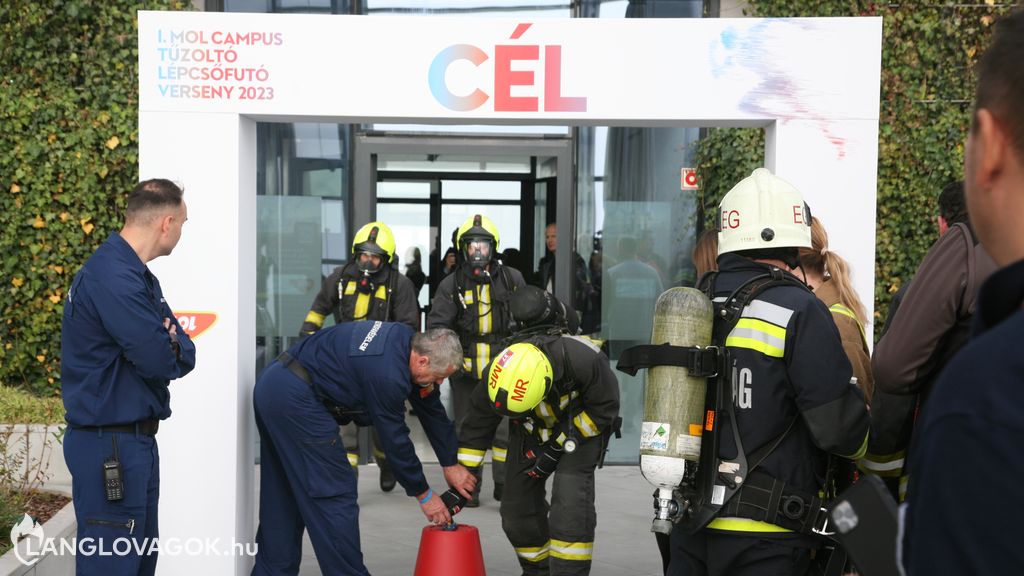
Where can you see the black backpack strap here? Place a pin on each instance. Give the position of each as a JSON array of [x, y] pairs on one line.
[[700, 362]]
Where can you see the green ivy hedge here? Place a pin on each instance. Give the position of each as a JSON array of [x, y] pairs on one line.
[[928, 54], [68, 157]]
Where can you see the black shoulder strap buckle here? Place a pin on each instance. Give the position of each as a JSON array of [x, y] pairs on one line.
[[700, 362]]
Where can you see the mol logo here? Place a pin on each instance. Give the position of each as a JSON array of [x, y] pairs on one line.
[[505, 77], [195, 323]]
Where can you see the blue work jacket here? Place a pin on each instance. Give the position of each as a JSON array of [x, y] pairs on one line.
[[364, 368], [116, 356]]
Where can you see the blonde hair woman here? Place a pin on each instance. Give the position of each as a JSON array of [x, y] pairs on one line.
[[828, 274]]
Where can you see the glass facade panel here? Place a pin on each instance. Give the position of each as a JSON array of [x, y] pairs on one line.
[[480, 190], [302, 230], [410, 224]]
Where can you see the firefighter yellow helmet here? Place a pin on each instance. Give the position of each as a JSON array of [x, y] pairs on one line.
[[763, 211], [375, 238], [518, 379]]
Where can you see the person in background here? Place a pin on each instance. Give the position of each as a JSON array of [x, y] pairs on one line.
[[414, 269], [828, 274], [367, 288], [121, 347], [474, 301], [931, 324], [546, 271], [705, 253], [964, 494]]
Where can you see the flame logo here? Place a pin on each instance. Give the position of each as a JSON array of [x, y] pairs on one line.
[[27, 527]]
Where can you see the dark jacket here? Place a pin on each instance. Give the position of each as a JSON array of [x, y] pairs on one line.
[[933, 319], [964, 495], [582, 289], [392, 299], [117, 359], [788, 365], [364, 368], [583, 401], [930, 326]]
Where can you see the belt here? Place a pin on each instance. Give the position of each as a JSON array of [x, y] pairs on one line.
[[144, 427], [295, 366], [341, 414]]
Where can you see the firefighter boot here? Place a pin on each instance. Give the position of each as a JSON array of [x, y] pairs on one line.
[[387, 477]]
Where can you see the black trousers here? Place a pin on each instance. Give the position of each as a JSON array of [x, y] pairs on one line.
[[462, 386], [716, 553], [555, 539]]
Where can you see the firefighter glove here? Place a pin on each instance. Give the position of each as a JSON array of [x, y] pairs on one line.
[[547, 457], [453, 501]]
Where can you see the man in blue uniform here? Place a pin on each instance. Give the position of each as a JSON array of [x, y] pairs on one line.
[[363, 371], [121, 346], [966, 465], [793, 403]]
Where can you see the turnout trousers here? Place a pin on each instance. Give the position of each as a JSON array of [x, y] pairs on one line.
[[462, 387], [305, 481], [717, 553], [133, 517], [555, 539]]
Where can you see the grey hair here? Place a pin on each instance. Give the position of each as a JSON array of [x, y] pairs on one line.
[[441, 346]]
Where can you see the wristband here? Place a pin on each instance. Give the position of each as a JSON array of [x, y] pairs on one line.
[[430, 492]]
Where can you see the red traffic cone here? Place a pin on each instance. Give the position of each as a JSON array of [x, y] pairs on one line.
[[450, 551]]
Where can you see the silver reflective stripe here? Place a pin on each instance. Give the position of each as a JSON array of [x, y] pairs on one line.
[[759, 336], [882, 466], [586, 341], [768, 312]]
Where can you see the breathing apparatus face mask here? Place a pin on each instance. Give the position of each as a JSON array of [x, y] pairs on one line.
[[369, 262], [478, 252]]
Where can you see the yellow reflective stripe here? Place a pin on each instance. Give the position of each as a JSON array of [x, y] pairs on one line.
[[471, 458], [840, 309], [759, 335], [744, 525], [467, 364], [468, 297], [560, 439], [378, 454], [353, 459], [564, 400], [484, 309], [904, 481], [585, 425], [362, 306], [533, 554], [483, 356], [498, 454], [382, 293], [350, 288], [571, 550], [544, 434], [860, 451], [315, 319]]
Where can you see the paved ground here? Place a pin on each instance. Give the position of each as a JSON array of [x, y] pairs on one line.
[[391, 524]]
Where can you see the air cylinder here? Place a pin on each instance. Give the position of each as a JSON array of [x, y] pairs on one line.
[[670, 435]]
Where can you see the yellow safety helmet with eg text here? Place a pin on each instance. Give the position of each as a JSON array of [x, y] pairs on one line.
[[518, 379], [763, 211], [375, 238]]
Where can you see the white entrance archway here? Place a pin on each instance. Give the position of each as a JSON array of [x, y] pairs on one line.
[[206, 79]]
